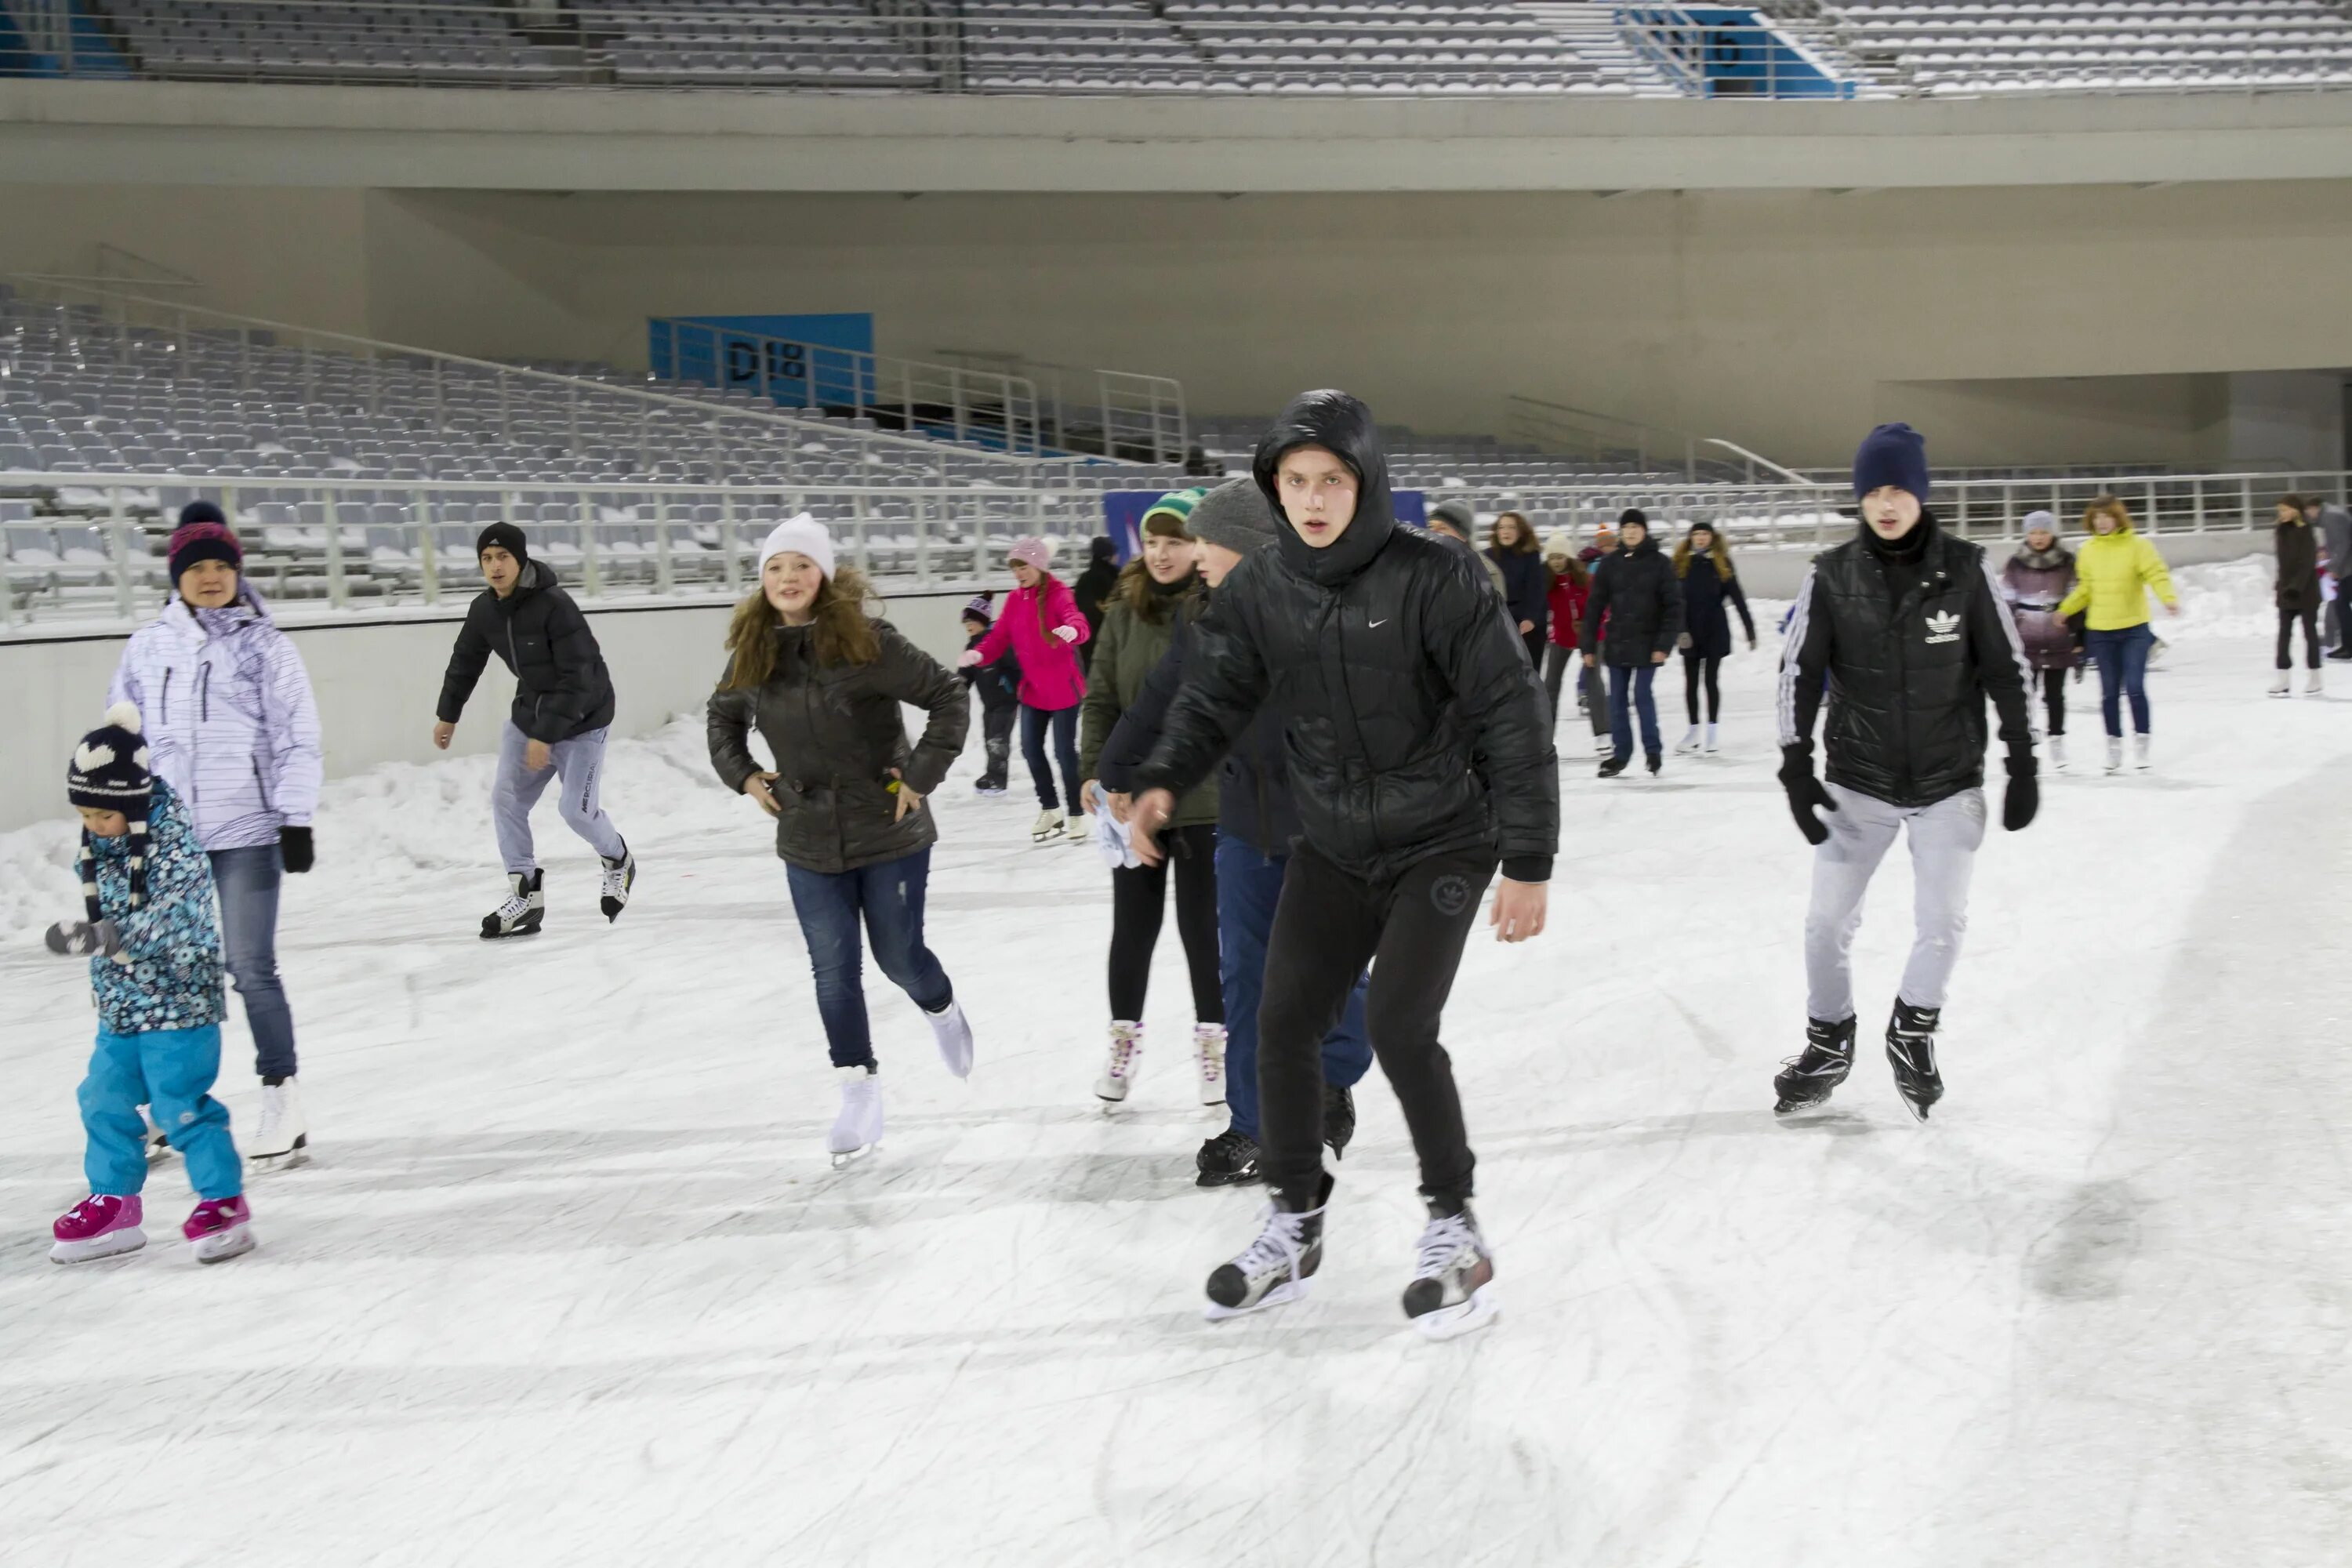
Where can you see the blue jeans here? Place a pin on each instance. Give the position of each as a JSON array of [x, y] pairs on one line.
[[2122, 659], [1631, 684], [1064, 722], [1249, 885], [246, 881], [890, 898], [171, 1072]]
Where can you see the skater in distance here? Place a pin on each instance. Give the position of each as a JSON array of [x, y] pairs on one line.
[[1420, 754], [1907, 626]]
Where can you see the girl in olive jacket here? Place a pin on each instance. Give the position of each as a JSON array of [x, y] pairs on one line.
[[1139, 621], [823, 682]]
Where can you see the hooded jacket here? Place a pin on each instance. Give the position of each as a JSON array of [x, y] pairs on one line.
[[1910, 649], [1568, 598], [1051, 676], [1412, 723], [836, 734], [561, 688], [2298, 567], [1636, 592], [226, 707]]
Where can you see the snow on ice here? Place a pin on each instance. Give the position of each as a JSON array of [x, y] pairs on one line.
[[571, 1282]]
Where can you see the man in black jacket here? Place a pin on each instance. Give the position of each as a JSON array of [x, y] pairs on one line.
[[1907, 626], [1419, 748], [1257, 823], [1091, 590], [1636, 592], [556, 728]]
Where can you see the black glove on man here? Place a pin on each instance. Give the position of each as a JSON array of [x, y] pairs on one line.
[[2024, 796], [294, 849], [1806, 794]]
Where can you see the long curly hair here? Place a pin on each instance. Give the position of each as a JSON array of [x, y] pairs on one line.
[[1524, 540], [841, 632], [1718, 550]]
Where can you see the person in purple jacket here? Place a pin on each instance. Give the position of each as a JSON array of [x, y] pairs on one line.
[[2035, 583], [227, 711]]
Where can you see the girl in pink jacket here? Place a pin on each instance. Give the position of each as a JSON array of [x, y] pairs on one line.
[[1042, 626]]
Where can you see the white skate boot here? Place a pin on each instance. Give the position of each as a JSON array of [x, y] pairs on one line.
[[2141, 760], [1209, 1055], [857, 1128], [1453, 1289], [953, 1032], [1118, 1072], [2311, 685], [1714, 732], [2115, 754], [283, 1141], [2279, 685], [1049, 825], [1603, 747], [2058, 753], [1688, 745], [1276, 1268]]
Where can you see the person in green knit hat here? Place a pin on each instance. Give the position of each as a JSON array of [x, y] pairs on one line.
[[1158, 588]]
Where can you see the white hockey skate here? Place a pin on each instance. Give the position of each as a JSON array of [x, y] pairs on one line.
[[953, 1032], [1209, 1055], [857, 1128], [1119, 1071], [1453, 1289], [283, 1140], [524, 910], [620, 876], [1277, 1267]]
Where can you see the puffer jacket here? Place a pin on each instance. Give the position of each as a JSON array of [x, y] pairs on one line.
[[2035, 584], [1909, 653], [1051, 676], [562, 687], [168, 972], [2298, 567], [1637, 593], [230, 722], [1129, 648], [1413, 724], [836, 734], [1568, 600], [2114, 574]]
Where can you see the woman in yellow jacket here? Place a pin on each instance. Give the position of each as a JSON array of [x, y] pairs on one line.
[[2114, 572]]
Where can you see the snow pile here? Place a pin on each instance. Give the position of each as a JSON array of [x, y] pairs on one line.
[[2223, 599], [37, 884]]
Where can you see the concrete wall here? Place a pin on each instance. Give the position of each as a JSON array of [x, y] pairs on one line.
[[377, 683]]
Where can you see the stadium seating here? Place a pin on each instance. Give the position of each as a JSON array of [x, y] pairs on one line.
[[2096, 46], [240, 39]]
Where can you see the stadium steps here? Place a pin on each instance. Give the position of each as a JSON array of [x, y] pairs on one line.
[[1590, 29]]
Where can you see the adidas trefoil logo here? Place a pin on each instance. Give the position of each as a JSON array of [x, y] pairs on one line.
[[1944, 626]]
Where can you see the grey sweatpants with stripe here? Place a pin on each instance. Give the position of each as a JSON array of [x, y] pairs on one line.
[[580, 763], [1943, 841]]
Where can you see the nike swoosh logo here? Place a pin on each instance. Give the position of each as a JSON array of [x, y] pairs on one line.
[[1376, 624]]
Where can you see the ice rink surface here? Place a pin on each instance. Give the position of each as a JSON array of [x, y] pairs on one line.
[[570, 1282]]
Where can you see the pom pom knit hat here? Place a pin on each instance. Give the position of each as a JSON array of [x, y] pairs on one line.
[[109, 772]]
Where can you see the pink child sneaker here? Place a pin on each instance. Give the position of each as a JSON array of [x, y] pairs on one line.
[[218, 1230], [100, 1226]]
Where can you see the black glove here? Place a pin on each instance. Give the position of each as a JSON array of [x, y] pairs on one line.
[[294, 849], [1805, 792], [2024, 796], [83, 940]]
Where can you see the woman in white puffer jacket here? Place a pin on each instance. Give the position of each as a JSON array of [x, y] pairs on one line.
[[229, 718]]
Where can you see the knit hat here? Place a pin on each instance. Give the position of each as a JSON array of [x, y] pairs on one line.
[[1235, 515], [1178, 504], [1033, 551], [506, 537], [2044, 520], [109, 772], [204, 534], [1892, 455], [803, 535], [1455, 514], [981, 607], [1633, 514], [1558, 543]]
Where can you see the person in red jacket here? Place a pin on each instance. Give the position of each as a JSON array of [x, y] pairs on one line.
[[1042, 626], [1572, 585]]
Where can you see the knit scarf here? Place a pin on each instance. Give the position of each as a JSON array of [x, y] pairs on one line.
[[87, 864]]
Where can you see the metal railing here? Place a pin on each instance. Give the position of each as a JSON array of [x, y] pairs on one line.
[[84, 552], [1126, 415], [1704, 58], [1588, 437], [673, 435]]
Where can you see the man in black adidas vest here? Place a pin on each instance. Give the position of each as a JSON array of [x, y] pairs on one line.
[[1906, 628]]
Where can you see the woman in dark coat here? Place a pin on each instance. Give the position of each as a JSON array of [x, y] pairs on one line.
[[2298, 594], [1703, 563], [2034, 582], [823, 682], [1526, 584]]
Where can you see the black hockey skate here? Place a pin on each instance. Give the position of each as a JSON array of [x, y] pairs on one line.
[[1276, 1268], [1453, 1289], [1911, 1052], [620, 876], [1612, 766], [1339, 1119], [1228, 1159], [525, 908], [1805, 1080]]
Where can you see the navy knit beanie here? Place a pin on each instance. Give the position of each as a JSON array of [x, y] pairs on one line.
[[506, 537], [1892, 455]]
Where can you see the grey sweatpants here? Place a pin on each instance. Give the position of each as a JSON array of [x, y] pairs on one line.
[[1943, 841], [580, 763]]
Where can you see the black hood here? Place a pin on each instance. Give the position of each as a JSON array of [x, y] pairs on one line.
[[1338, 423]]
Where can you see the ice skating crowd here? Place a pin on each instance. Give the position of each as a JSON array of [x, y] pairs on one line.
[[1330, 733]]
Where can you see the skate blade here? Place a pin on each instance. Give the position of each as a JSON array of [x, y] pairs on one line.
[[841, 1159], [1918, 1112], [159, 1152], [1809, 1110], [114, 1244], [509, 935], [1281, 1295], [1242, 1178], [293, 1158], [1109, 1104], [1467, 1316], [222, 1246]]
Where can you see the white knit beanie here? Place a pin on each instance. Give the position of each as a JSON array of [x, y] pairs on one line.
[[803, 534]]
